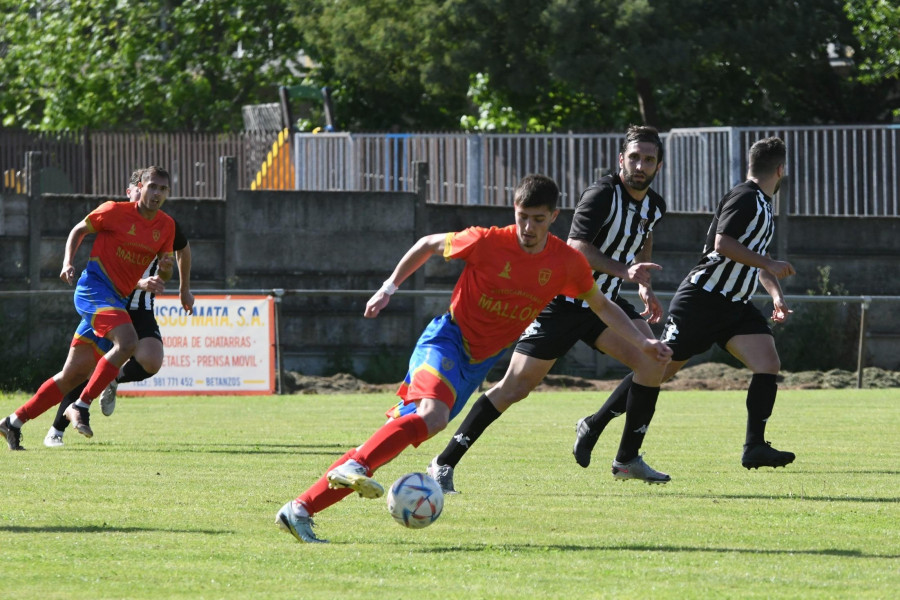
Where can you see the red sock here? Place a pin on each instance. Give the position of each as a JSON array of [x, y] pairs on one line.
[[390, 440], [47, 396], [102, 376], [386, 443], [319, 496]]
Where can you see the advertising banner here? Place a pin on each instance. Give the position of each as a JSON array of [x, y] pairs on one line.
[[226, 347]]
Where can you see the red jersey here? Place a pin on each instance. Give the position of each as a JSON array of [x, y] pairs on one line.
[[127, 242], [502, 288]]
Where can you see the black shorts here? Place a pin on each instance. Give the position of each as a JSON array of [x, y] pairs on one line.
[[562, 324], [698, 319], [145, 324]]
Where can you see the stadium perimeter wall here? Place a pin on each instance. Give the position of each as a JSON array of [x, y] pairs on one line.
[[262, 240]]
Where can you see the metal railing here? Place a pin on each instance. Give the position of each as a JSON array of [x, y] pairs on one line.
[[100, 163], [834, 171]]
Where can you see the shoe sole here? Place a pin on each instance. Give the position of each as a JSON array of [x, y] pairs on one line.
[[54, 444], [625, 476], [583, 461], [650, 481], [80, 427], [5, 432], [362, 485], [284, 525], [84, 430], [445, 491], [107, 407], [757, 465]]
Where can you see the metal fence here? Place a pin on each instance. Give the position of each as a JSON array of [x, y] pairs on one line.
[[66, 159], [836, 171], [833, 171], [100, 163]]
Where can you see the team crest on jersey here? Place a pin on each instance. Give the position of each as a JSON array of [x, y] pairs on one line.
[[447, 364], [156, 235], [505, 272], [642, 226], [132, 231], [544, 276]]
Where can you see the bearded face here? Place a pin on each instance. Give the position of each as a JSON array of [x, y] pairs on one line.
[[638, 165]]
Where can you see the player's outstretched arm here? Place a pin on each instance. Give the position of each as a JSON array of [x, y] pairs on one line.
[[414, 258], [76, 236], [619, 322], [599, 261]]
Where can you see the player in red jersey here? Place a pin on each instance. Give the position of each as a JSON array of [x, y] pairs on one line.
[[511, 274], [130, 235]]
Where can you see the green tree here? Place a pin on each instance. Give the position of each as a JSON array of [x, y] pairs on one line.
[[377, 57], [876, 26], [157, 64], [694, 62], [876, 55], [538, 65]]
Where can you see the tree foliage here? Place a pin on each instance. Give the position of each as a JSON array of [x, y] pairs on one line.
[[538, 65], [156, 64], [488, 65], [876, 26]]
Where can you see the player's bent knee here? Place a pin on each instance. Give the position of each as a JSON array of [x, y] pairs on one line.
[[435, 424]]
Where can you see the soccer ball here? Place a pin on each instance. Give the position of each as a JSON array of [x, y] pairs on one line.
[[415, 500]]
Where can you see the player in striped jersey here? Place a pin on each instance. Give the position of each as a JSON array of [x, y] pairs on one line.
[[712, 305], [612, 227], [148, 357]]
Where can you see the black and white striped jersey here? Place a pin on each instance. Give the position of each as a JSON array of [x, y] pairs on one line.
[[745, 214], [141, 300], [617, 225]]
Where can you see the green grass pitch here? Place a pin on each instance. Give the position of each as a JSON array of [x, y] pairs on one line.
[[176, 498]]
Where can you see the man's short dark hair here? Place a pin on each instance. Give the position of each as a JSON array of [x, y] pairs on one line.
[[766, 156], [154, 170], [644, 133], [535, 191]]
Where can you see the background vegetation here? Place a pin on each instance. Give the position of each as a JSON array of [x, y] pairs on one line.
[[480, 65]]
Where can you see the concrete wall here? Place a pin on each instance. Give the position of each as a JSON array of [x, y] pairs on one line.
[[351, 241]]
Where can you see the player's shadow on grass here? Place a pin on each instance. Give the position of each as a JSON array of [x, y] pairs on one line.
[[802, 496], [851, 472], [795, 496], [648, 548], [106, 529], [180, 448]]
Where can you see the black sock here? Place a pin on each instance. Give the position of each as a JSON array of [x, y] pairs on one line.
[[760, 402], [479, 418], [133, 371], [641, 406], [615, 405], [61, 422]]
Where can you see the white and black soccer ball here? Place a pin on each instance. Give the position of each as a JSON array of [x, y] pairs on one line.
[[415, 500]]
